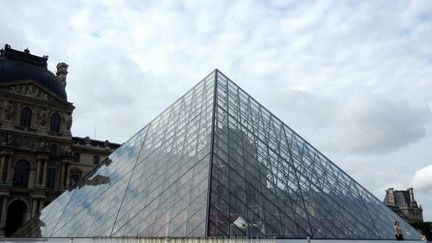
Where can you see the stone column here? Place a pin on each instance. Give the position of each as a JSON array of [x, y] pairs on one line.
[[44, 172], [2, 166], [67, 177], [62, 176], [34, 207], [38, 171], [9, 175], [27, 215], [41, 205], [58, 177], [391, 198], [31, 178], [4, 202], [411, 195]]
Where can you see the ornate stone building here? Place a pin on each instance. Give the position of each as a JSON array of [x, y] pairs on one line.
[[403, 203], [39, 158]]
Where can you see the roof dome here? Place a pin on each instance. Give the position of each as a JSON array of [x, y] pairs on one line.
[[16, 66]]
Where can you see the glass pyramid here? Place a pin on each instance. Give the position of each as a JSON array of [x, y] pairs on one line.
[[217, 163]]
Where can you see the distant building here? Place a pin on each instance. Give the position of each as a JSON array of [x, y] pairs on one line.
[[39, 158], [403, 203]]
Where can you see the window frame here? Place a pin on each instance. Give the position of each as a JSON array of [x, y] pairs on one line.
[[26, 117]]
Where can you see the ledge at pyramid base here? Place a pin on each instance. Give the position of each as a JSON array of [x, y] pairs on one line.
[[188, 240], [216, 163]]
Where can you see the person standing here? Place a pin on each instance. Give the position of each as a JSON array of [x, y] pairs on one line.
[[398, 231]]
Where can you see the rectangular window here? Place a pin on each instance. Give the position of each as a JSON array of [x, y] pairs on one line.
[[76, 157], [96, 159], [51, 173]]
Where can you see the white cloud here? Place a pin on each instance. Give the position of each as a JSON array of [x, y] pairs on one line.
[[351, 77], [377, 124], [422, 182], [422, 179]]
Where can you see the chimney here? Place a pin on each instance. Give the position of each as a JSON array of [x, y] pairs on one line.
[[390, 196], [62, 72], [412, 202]]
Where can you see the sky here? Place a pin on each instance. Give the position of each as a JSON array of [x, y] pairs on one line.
[[351, 77]]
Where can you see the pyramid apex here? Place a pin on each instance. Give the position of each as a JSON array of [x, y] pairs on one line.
[[218, 71]]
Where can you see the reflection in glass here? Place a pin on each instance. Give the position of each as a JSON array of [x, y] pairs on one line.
[[269, 182]]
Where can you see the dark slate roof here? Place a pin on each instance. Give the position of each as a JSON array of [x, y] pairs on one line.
[[95, 143], [16, 66], [402, 198]]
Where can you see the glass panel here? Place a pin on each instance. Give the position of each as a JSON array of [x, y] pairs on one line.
[[152, 185], [268, 180]]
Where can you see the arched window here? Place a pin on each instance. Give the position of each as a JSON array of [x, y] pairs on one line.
[[21, 173], [15, 216], [55, 123], [26, 115]]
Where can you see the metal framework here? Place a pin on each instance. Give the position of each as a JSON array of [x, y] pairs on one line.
[[217, 163]]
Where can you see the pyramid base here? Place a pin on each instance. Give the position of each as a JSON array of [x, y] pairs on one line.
[[186, 240]]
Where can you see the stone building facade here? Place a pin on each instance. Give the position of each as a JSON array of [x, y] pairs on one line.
[[39, 158], [403, 203]]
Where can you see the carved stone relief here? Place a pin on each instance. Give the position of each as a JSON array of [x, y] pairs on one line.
[[66, 150], [62, 72], [87, 140], [29, 90], [43, 146], [25, 142], [8, 110], [30, 143], [67, 118], [7, 139], [43, 117]]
